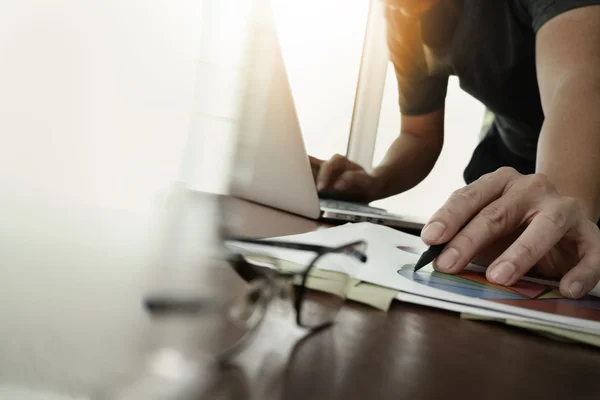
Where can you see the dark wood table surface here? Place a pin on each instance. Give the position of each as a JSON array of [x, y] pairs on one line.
[[73, 326]]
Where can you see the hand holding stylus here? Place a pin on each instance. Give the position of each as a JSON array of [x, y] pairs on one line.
[[553, 236]]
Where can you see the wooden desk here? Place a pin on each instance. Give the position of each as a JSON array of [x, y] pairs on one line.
[[78, 327], [415, 352]]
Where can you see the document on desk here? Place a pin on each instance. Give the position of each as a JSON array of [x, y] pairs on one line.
[[392, 254], [549, 330], [375, 296]]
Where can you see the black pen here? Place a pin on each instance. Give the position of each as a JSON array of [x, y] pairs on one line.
[[429, 255], [432, 253]]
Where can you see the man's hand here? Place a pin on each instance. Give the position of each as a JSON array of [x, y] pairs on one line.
[[552, 234], [340, 175]]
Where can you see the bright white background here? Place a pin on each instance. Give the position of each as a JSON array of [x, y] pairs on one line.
[[98, 98], [322, 43]]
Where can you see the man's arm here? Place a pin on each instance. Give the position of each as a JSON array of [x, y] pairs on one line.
[[568, 65], [412, 155]]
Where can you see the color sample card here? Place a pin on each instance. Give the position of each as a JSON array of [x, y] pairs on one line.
[[530, 295]]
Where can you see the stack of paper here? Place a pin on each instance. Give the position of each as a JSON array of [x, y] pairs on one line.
[[531, 303]]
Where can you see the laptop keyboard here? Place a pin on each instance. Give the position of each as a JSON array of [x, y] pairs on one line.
[[353, 207]]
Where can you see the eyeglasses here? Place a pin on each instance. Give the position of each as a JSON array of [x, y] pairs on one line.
[[316, 288]]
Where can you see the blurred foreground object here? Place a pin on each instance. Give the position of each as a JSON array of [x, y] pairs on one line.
[[117, 125]]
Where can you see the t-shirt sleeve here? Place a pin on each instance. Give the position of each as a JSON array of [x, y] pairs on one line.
[[417, 96], [541, 11], [419, 92]]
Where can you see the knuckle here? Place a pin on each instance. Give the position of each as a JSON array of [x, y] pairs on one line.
[[495, 216], [337, 159], [541, 182], [348, 176], [506, 172], [570, 204], [490, 176], [559, 219], [465, 240], [467, 195], [526, 253], [358, 175], [503, 176], [563, 214]]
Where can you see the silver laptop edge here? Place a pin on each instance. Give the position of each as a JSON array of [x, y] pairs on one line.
[[271, 163]]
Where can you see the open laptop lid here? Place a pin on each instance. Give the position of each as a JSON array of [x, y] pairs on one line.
[[271, 163]]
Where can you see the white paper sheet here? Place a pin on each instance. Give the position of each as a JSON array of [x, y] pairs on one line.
[[483, 312], [384, 260]]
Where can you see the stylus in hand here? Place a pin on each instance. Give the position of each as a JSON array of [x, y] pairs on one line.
[[429, 255]]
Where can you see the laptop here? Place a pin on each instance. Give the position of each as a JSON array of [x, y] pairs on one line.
[[271, 165]]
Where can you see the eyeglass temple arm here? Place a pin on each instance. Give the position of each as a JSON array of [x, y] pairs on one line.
[[303, 246], [287, 245]]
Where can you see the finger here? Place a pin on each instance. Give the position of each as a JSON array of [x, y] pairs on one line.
[[489, 225], [315, 162], [354, 182], [315, 174], [545, 230], [330, 170], [582, 278], [464, 203]]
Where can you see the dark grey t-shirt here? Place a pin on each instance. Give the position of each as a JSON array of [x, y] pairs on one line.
[[490, 46]]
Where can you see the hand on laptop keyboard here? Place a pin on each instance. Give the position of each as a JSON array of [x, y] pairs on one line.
[[348, 180]]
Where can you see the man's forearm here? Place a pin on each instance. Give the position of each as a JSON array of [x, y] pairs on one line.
[[569, 145], [407, 162]]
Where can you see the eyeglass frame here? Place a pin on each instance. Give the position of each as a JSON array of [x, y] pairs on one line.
[[320, 252], [157, 305]]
